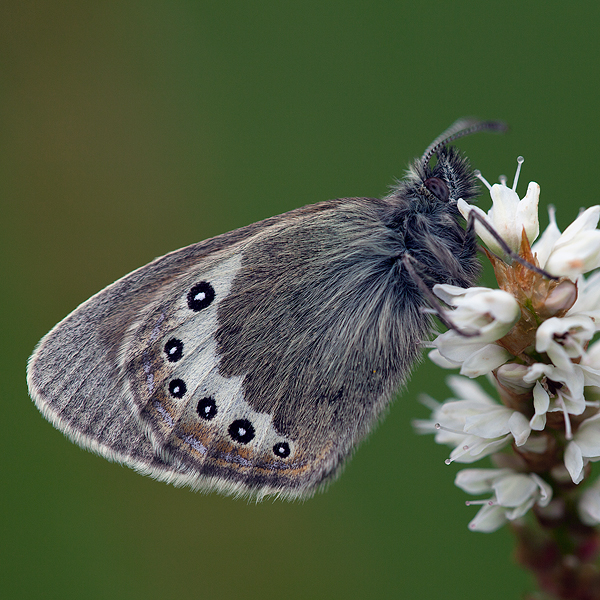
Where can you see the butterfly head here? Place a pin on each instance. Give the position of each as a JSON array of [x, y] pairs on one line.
[[450, 178], [439, 185]]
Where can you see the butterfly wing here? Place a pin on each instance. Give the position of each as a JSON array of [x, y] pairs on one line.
[[251, 363]]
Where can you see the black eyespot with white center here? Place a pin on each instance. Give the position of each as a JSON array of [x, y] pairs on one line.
[[438, 188], [174, 350], [207, 408], [281, 449], [177, 388], [200, 296], [242, 431]]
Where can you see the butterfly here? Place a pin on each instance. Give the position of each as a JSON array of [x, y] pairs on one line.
[[254, 362]]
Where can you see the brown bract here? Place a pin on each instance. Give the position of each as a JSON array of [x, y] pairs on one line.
[[538, 296]]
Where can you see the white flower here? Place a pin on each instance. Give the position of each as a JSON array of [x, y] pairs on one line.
[[474, 359], [476, 425], [490, 314], [588, 298], [513, 495], [589, 505], [583, 448], [591, 358], [543, 247], [559, 390], [482, 338], [541, 404], [508, 216], [590, 365], [575, 251], [566, 386], [510, 376], [564, 339]]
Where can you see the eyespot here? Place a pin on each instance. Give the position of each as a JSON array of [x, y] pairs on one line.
[[174, 350], [242, 431], [281, 449], [177, 388], [207, 408], [438, 188], [200, 296]]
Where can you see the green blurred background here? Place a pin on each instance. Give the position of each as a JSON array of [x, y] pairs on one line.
[[129, 129]]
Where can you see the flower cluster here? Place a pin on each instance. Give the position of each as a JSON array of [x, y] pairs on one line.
[[535, 342]]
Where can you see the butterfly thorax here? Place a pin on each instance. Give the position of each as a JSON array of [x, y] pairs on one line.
[[424, 213]]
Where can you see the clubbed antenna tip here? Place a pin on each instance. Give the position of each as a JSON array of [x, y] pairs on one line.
[[460, 128]]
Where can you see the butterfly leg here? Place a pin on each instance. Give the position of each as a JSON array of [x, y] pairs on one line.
[[432, 299], [474, 216]]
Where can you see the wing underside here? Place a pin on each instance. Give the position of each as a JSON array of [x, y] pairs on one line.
[[250, 363]]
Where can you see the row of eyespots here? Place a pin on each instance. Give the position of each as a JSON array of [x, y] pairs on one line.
[[200, 296], [240, 430]]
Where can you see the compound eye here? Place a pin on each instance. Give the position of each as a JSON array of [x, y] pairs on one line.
[[438, 188]]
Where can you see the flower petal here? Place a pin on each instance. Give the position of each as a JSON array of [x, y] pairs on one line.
[[589, 505], [588, 292], [545, 490], [581, 255], [527, 212], [485, 360], [587, 437], [490, 423], [510, 376], [543, 247], [475, 448], [478, 481], [514, 489], [441, 361], [489, 518], [591, 377], [574, 462], [519, 427], [564, 338], [456, 348], [469, 390], [586, 221], [541, 403]]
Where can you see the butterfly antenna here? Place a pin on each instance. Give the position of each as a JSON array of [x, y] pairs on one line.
[[458, 129]]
